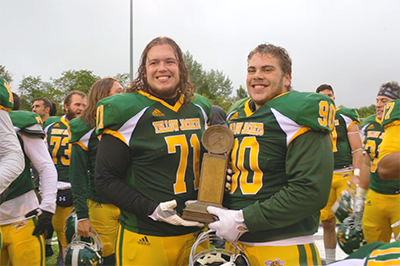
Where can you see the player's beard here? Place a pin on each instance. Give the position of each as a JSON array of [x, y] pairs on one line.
[[71, 115]]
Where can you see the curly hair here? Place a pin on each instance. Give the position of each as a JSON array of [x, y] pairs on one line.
[[185, 87]]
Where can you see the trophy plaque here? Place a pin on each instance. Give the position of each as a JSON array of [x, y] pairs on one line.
[[218, 140]]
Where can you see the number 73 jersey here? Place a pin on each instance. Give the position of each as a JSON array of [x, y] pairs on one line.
[[262, 139], [59, 146]]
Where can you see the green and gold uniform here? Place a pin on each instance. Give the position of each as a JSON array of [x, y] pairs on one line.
[[6, 96], [391, 124], [343, 170], [104, 217], [382, 202], [60, 150], [163, 139], [282, 161], [19, 245]]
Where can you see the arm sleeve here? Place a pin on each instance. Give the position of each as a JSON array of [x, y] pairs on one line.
[[309, 166], [11, 156], [78, 170], [36, 150], [113, 159]]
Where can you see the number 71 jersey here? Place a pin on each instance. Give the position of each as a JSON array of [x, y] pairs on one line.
[[165, 145]]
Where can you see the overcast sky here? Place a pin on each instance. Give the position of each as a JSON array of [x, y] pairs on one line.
[[352, 45]]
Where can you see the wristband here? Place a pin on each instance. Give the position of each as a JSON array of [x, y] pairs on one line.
[[360, 192], [357, 171]]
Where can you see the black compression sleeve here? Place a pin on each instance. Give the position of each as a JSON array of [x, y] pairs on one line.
[[112, 161]]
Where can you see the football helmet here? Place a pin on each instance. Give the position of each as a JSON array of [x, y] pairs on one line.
[[350, 236], [342, 208], [216, 255], [71, 225], [84, 253]]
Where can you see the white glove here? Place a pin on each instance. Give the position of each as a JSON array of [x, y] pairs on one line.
[[230, 225], [165, 212]]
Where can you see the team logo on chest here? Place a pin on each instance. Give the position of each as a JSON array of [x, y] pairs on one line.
[[165, 126]]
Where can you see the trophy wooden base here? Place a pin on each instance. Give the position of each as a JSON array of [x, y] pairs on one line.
[[198, 212]]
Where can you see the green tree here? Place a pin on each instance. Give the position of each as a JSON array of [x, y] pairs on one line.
[[33, 87], [123, 79], [5, 74], [366, 111], [212, 84], [70, 80], [241, 93]]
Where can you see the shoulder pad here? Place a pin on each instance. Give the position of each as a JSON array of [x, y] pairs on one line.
[[349, 112], [22, 119], [236, 105], [114, 111], [203, 102], [313, 110], [78, 129], [391, 115], [50, 120]]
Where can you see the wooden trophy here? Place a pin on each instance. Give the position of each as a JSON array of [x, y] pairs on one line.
[[218, 140]]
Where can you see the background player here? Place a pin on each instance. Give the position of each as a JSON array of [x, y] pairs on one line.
[[382, 201], [92, 210], [347, 151], [21, 214], [60, 151]]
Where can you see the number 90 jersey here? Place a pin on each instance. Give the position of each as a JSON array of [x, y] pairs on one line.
[[166, 150], [260, 158]]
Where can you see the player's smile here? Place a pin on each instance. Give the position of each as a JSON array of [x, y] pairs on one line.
[[162, 71]]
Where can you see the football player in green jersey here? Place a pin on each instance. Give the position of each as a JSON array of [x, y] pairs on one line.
[[282, 160], [92, 210], [21, 214], [389, 154], [56, 129], [11, 156], [347, 151], [148, 159], [382, 201]]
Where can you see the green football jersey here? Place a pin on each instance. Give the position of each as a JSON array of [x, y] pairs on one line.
[[166, 150], [391, 115], [59, 146], [373, 135], [345, 118], [27, 123], [267, 161], [6, 97], [84, 148]]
